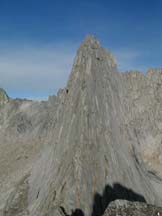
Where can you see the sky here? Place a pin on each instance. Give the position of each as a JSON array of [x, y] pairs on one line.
[[39, 39]]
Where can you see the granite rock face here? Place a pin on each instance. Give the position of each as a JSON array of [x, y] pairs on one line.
[[98, 140]]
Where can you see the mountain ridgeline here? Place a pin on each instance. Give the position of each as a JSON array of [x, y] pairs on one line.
[[97, 141]]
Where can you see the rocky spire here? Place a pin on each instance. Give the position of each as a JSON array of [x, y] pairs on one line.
[[88, 148], [91, 55]]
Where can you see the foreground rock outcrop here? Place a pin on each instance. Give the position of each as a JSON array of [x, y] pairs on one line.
[[98, 140], [125, 208]]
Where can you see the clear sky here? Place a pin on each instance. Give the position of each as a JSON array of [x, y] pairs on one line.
[[39, 38]]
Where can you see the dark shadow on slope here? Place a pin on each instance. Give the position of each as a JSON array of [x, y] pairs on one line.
[[111, 193], [76, 212]]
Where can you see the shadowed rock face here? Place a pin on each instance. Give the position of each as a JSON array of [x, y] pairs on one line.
[[95, 141], [111, 193]]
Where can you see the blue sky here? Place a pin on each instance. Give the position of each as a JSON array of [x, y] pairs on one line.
[[38, 39]]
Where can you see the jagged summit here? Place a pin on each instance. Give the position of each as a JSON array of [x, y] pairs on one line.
[[91, 41], [92, 48], [92, 60]]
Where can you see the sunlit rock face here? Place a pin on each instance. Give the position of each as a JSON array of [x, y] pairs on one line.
[[100, 141]]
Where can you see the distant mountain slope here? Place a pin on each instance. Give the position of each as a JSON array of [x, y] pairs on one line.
[[24, 126]]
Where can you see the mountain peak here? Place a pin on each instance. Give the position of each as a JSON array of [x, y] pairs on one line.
[[90, 58], [91, 41], [91, 51]]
